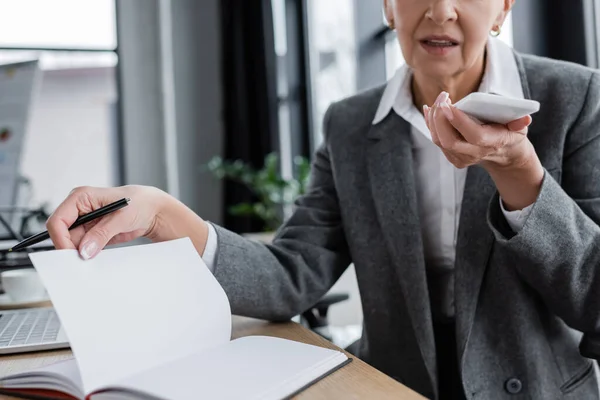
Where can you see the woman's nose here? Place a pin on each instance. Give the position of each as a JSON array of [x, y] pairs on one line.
[[442, 11]]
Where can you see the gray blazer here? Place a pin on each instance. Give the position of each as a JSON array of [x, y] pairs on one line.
[[516, 296]]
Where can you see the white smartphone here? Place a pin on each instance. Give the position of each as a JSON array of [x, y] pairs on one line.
[[491, 108]]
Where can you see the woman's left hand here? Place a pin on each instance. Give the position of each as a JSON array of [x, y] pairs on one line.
[[466, 142], [503, 150]]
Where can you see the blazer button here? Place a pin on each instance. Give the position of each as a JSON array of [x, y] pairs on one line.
[[513, 386]]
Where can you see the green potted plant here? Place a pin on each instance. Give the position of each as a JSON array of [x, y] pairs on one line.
[[274, 193]]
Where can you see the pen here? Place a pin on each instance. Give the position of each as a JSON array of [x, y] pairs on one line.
[[83, 219]]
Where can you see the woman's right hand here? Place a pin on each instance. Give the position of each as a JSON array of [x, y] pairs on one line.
[[139, 218]]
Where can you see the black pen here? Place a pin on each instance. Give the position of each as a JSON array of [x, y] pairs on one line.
[[83, 219]]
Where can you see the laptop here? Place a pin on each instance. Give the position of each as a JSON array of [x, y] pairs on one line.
[[31, 329], [27, 329]]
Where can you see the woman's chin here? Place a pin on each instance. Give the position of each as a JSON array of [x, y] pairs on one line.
[[424, 61], [437, 70]]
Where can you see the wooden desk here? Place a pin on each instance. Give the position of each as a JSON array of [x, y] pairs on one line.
[[356, 380]]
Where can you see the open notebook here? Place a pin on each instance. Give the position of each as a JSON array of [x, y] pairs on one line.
[[151, 322]]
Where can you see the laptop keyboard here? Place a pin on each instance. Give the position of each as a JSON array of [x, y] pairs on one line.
[[28, 327]]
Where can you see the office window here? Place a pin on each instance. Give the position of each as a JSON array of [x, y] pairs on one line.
[[591, 25], [283, 89], [72, 136], [88, 24], [293, 93], [332, 54]]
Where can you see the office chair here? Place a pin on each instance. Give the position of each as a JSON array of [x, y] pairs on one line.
[[316, 318]]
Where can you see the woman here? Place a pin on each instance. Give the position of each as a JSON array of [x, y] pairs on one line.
[[468, 288]]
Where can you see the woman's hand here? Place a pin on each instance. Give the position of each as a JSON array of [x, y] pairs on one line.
[[151, 213], [465, 142], [503, 150]]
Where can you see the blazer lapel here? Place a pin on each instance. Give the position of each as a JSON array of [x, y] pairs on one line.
[[391, 175], [474, 245]]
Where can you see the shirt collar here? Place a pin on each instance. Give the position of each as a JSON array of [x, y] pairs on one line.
[[501, 77]]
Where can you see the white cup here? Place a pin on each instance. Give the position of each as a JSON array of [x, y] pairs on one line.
[[23, 285]]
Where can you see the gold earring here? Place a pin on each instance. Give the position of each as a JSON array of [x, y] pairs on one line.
[[495, 32], [391, 24]]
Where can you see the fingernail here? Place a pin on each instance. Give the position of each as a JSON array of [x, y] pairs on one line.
[[447, 111], [425, 109], [442, 97], [89, 250]]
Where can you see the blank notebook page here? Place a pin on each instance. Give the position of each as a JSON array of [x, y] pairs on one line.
[[253, 367], [133, 308]]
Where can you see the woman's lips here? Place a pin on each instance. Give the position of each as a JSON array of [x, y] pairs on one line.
[[439, 47]]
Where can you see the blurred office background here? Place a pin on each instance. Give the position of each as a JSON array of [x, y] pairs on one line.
[[149, 91]]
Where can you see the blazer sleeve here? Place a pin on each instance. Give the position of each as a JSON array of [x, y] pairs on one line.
[[558, 250], [307, 256]]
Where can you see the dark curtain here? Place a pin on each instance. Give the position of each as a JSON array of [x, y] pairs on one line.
[[250, 95]]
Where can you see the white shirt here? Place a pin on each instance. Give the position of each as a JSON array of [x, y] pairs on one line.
[[440, 185]]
